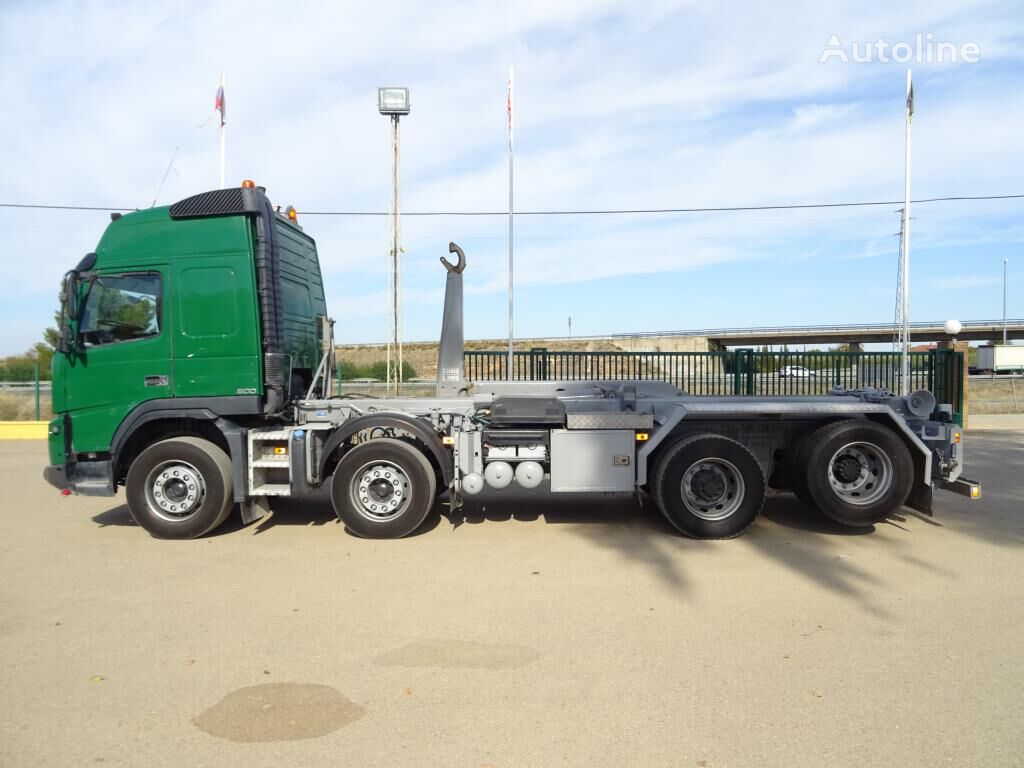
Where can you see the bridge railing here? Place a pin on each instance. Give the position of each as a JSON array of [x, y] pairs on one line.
[[987, 326]]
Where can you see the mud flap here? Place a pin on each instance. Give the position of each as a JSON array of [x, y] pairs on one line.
[[921, 498], [254, 508]]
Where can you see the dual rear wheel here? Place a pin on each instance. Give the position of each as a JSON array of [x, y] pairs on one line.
[[855, 471], [709, 487]]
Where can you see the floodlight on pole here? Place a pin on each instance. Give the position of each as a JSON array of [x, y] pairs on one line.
[[394, 102]]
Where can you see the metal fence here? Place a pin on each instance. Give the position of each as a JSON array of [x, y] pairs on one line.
[[737, 372]]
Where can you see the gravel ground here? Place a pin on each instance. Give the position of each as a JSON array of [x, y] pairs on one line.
[[576, 632]]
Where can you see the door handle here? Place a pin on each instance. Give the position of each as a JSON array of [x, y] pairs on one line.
[[156, 381]]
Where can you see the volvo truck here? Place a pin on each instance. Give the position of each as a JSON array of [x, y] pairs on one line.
[[195, 371]]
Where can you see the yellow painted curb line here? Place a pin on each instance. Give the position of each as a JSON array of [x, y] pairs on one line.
[[23, 430]]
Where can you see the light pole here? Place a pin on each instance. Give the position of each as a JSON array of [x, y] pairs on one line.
[[394, 102], [1004, 300]]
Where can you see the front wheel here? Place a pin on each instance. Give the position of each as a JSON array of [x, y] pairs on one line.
[[383, 489], [709, 487], [180, 488]]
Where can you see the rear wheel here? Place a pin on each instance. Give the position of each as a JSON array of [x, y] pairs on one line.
[[180, 488], [383, 489], [709, 487], [857, 472]]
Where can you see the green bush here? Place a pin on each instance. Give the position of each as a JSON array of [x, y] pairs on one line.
[[23, 367], [348, 371], [379, 370]]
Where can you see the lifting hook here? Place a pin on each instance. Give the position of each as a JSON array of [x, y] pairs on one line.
[[461, 265]]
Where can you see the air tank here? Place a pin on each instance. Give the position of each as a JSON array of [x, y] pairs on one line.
[[473, 483], [529, 474], [498, 474]]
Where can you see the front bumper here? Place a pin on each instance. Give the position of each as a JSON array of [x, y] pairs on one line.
[[55, 475], [88, 478]]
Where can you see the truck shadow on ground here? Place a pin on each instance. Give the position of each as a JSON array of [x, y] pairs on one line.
[[616, 513], [305, 511], [635, 530], [636, 513]]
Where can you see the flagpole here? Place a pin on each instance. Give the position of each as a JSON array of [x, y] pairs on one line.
[[510, 224], [222, 135], [905, 249]]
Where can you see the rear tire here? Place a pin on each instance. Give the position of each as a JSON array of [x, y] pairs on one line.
[[857, 472], [709, 487], [383, 489], [180, 488]]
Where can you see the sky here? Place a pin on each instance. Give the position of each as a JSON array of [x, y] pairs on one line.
[[618, 105]]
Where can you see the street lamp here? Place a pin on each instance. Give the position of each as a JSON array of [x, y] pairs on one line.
[[1005, 261], [394, 102]]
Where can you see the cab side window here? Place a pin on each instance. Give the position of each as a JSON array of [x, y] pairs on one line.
[[122, 308]]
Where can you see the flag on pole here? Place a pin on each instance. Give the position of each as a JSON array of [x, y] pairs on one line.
[[910, 98], [218, 103], [510, 106]]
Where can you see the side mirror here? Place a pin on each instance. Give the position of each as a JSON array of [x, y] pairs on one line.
[[68, 312]]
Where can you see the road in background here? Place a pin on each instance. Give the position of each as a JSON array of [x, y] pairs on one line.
[[533, 633]]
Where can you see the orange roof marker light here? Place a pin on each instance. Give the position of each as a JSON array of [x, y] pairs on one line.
[[248, 184], [291, 213]]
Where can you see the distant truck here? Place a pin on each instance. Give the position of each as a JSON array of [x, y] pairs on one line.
[[1001, 358], [195, 369]]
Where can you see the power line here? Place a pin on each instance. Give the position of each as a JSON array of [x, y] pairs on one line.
[[594, 212], [626, 211], [38, 206]]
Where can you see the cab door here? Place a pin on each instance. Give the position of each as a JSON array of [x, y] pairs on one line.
[[122, 355]]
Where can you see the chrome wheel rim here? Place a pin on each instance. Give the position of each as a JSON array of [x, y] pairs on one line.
[[175, 491], [712, 489], [860, 473], [380, 491]]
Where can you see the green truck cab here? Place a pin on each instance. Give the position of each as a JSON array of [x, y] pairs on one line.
[[195, 321]]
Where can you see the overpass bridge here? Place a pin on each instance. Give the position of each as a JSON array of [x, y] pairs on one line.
[[854, 333]]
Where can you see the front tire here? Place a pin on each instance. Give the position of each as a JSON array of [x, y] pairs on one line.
[[383, 489], [858, 472], [709, 487], [180, 488]]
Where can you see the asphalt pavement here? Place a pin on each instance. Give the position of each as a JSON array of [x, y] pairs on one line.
[[534, 632]]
